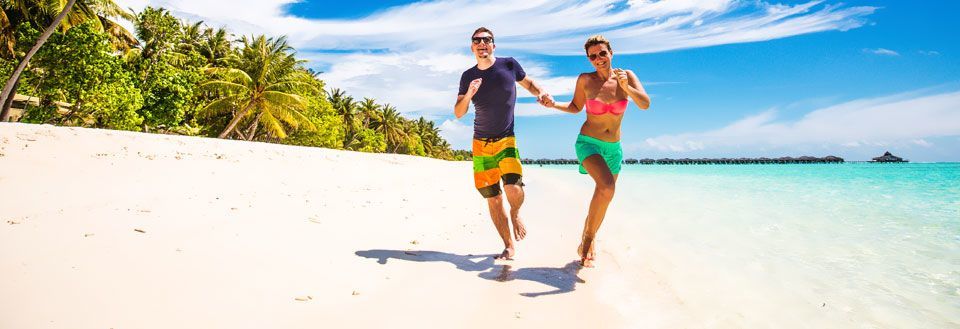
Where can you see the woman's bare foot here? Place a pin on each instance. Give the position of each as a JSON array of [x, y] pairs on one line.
[[586, 259], [507, 254]]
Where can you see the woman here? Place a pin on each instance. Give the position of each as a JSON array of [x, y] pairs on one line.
[[604, 93]]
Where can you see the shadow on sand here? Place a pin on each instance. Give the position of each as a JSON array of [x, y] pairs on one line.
[[562, 279]]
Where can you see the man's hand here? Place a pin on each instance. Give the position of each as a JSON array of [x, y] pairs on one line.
[[545, 99], [474, 86]]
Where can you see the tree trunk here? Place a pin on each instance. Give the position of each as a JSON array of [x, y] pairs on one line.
[[8, 89], [238, 133], [8, 103], [252, 131], [235, 121]]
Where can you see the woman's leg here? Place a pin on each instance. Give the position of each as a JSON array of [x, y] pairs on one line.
[[602, 195]]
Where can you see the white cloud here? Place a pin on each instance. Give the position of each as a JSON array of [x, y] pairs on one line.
[[534, 110], [882, 51], [929, 52], [458, 134], [922, 142], [411, 56], [898, 119], [413, 82]]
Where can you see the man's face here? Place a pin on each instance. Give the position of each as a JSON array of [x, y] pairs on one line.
[[482, 45]]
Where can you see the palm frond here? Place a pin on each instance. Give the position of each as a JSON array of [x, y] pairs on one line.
[[230, 74], [273, 126], [224, 87], [284, 99], [287, 85], [220, 106]]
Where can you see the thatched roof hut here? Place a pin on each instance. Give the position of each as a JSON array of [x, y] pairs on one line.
[[887, 157]]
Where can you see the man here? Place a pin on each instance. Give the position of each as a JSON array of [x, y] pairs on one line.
[[490, 85]]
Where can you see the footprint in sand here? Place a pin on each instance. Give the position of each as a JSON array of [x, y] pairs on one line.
[[26, 138]]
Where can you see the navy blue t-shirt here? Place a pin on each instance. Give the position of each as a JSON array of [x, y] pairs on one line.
[[496, 97]]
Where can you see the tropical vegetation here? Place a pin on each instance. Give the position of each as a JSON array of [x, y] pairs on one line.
[[71, 63]]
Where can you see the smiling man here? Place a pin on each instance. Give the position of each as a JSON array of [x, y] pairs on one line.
[[491, 86]]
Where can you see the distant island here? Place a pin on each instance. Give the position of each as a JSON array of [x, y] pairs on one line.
[[887, 157], [701, 161]]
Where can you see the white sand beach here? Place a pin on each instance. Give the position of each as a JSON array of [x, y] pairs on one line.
[[113, 229]]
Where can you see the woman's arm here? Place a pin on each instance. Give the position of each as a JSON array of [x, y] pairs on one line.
[[579, 97], [631, 85]]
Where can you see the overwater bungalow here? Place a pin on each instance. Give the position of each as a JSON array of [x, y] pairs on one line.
[[887, 157]]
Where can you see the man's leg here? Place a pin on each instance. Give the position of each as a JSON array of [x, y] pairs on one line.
[[499, 217], [514, 191]]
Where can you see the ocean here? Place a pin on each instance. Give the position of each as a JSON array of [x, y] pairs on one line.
[[863, 245]]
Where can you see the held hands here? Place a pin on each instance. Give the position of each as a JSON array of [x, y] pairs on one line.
[[545, 99], [474, 86]]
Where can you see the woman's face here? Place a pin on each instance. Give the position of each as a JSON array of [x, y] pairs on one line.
[[600, 56]]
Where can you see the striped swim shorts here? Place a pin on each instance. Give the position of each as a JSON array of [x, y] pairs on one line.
[[494, 158]]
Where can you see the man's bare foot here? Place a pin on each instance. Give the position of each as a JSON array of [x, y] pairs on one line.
[[519, 230], [507, 254]]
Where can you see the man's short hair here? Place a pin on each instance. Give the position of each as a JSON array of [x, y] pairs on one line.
[[596, 40], [481, 29]]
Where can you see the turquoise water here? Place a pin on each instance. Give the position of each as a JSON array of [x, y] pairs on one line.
[[855, 244]]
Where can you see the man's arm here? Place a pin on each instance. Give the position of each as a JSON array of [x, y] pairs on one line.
[[463, 101], [542, 96]]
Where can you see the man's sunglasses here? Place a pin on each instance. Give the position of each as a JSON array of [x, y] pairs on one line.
[[478, 40], [602, 53]]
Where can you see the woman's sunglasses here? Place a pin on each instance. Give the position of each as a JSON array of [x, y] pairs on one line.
[[602, 53], [478, 40]]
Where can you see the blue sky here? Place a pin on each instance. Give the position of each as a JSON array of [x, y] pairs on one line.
[[728, 78]]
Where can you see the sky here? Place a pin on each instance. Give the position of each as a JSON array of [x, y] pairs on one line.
[[727, 78]]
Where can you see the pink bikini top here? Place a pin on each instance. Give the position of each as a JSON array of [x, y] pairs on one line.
[[597, 107]]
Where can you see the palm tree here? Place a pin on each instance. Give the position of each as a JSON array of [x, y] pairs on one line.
[[162, 35], [9, 88], [259, 88], [40, 13], [71, 13], [429, 135], [391, 126], [346, 107], [368, 111], [215, 46]]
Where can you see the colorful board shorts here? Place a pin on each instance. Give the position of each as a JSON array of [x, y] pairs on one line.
[[494, 158], [611, 152]]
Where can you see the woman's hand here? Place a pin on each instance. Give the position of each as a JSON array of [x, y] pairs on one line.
[[545, 100], [622, 79]]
